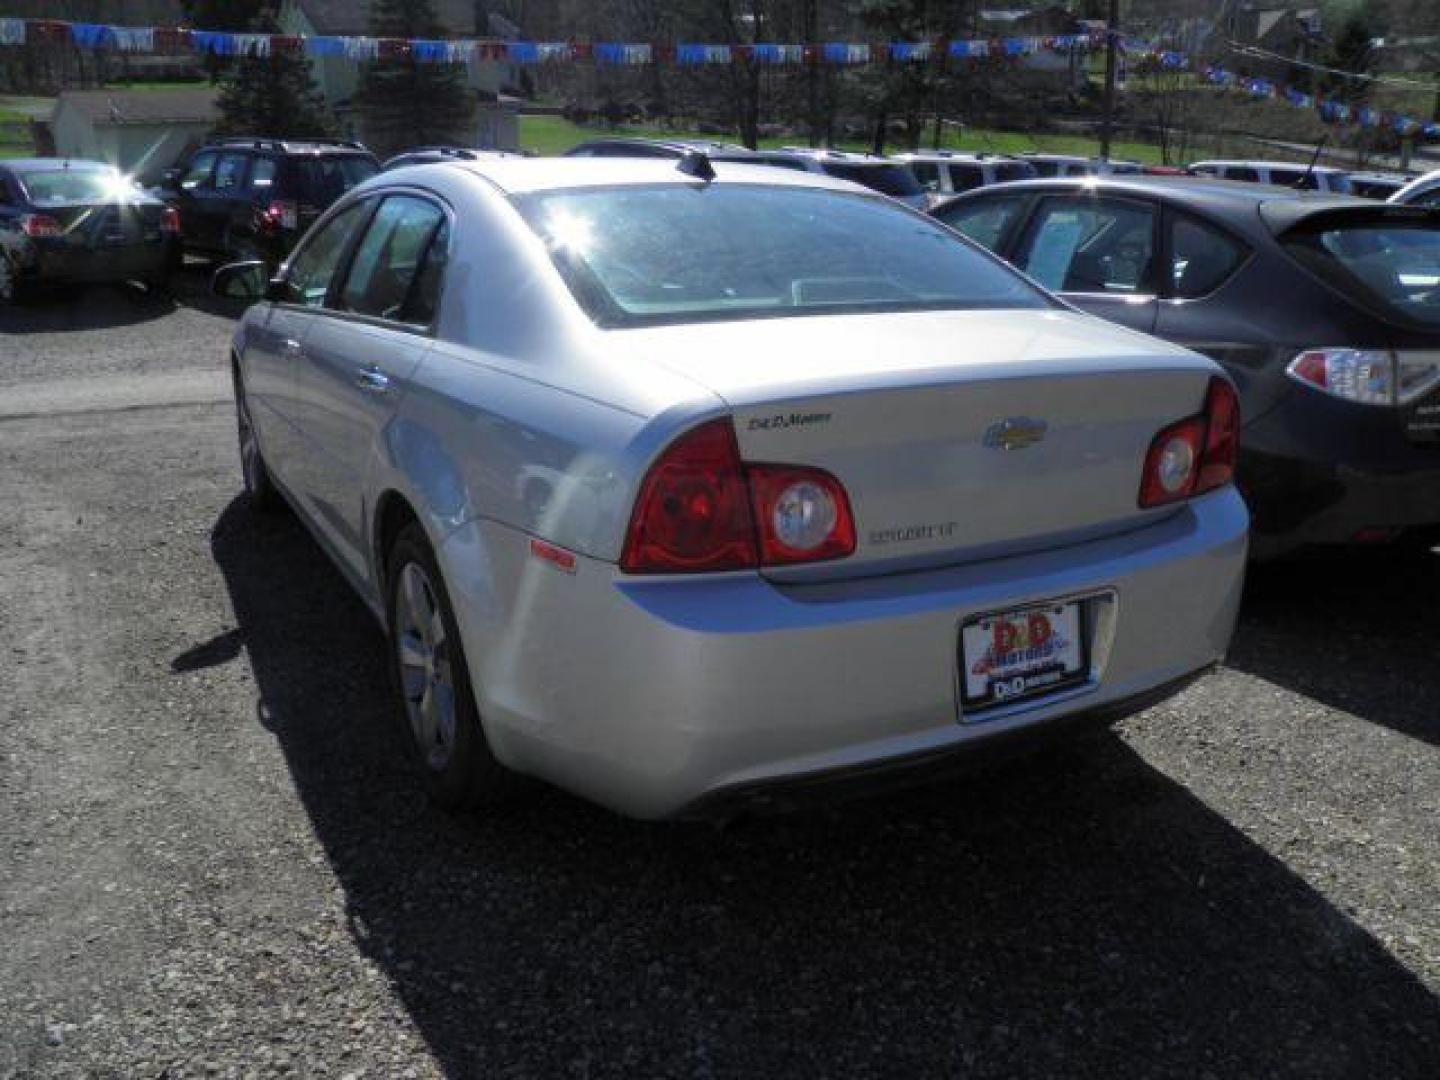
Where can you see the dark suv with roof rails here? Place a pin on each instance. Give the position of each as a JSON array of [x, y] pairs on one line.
[[248, 198]]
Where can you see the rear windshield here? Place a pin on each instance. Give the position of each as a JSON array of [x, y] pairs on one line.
[[887, 179], [322, 180], [1396, 265], [56, 187], [655, 254]]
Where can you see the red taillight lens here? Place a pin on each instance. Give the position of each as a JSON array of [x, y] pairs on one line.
[[803, 514], [1195, 455], [170, 221], [701, 508], [693, 512], [1222, 437], [39, 225]]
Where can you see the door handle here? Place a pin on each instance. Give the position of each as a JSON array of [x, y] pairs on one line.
[[373, 380], [291, 347]]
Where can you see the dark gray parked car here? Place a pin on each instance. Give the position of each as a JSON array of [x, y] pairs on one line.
[[1325, 309]]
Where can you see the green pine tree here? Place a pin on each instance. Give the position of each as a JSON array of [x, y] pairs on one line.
[[275, 96], [403, 102]]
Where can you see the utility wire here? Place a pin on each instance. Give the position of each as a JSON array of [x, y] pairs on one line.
[[1254, 52]]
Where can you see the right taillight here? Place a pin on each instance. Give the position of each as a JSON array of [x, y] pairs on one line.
[[701, 508], [1194, 455], [1367, 376]]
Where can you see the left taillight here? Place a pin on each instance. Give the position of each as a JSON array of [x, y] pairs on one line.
[[39, 225], [170, 221], [1194, 455], [701, 509]]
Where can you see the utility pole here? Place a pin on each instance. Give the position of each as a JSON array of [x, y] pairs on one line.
[[1112, 43]]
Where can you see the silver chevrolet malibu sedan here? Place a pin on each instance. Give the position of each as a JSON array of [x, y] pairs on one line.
[[689, 486]]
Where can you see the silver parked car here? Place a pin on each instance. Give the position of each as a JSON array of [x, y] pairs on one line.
[[681, 485]]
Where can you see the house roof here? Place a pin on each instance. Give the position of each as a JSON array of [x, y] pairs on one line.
[[346, 17], [105, 108]]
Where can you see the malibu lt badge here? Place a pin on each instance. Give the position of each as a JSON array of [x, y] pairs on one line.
[[1015, 433]]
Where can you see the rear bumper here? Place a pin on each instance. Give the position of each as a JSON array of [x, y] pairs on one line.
[[663, 697], [1298, 503], [84, 265]]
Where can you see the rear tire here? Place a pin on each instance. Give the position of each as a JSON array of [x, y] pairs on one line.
[[264, 496], [432, 681]]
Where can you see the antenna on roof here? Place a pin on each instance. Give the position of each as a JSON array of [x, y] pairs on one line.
[[1313, 159], [695, 163]]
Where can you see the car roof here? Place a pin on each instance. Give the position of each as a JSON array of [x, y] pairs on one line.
[[708, 146], [1278, 208], [520, 176], [1258, 163], [961, 156], [288, 146]]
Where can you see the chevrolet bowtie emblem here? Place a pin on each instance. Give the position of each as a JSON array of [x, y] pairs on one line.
[[1015, 433]]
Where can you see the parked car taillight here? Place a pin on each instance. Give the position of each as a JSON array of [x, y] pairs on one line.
[[1196, 454], [280, 214], [39, 225], [1367, 376], [170, 221], [700, 508], [803, 515]]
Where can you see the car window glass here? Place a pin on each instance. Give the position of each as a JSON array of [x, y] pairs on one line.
[[424, 298], [313, 267], [967, 177], [758, 250], [388, 257], [1090, 246], [928, 173], [1241, 172], [229, 172], [198, 172], [262, 174], [1427, 198], [1394, 265], [1202, 257], [985, 220], [320, 181]]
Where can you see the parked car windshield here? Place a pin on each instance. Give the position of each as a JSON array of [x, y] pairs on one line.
[[895, 180], [1397, 264], [644, 255], [56, 187]]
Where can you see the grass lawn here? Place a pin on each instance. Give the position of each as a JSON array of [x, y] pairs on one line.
[[554, 134], [188, 84]]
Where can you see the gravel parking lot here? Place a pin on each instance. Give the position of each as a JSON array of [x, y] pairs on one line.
[[215, 861]]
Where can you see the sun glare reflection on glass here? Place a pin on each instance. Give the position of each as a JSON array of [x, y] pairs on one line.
[[569, 232]]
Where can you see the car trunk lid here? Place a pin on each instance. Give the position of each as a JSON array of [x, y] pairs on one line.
[[957, 435]]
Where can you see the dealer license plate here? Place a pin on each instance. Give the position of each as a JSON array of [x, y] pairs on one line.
[[1011, 655]]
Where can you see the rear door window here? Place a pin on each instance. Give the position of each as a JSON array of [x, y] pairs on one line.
[[1091, 245], [262, 175], [987, 221], [1241, 172], [1202, 258], [387, 260]]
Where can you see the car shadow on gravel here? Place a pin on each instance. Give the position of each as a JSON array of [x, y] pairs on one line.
[[1073, 914], [63, 309], [1353, 628]]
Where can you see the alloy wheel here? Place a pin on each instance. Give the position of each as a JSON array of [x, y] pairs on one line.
[[427, 677]]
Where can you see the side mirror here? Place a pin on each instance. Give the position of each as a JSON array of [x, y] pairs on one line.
[[241, 281]]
